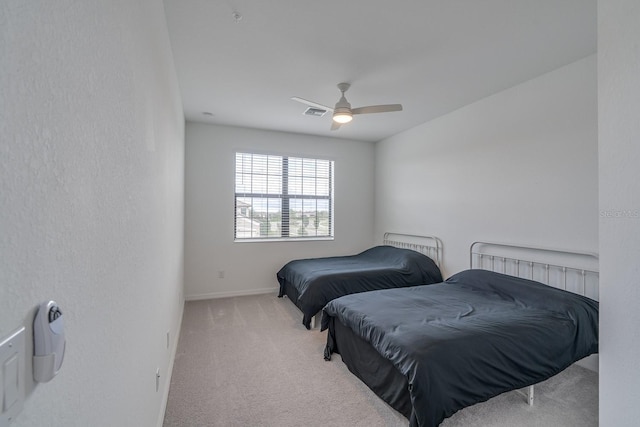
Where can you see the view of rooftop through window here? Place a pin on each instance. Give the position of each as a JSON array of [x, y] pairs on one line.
[[283, 197]]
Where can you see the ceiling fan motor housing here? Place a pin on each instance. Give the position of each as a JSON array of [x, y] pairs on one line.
[[342, 111]]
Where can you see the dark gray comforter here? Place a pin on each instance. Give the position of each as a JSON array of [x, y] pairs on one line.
[[319, 280], [470, 338]]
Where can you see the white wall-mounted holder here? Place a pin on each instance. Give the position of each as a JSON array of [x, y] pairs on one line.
[[12, 351], [48, 342]]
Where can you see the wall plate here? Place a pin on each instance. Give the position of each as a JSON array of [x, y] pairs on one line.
[[12, 359]]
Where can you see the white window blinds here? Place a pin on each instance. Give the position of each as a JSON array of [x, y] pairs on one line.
[[280, 197]]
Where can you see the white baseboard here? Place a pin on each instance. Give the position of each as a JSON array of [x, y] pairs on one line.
[[228, 294]]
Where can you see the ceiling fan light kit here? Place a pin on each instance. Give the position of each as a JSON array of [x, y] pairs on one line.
[[342, 117], [343, 113]]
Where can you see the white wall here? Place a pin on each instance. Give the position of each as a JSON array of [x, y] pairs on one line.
[[518, 167], [209, 194], [92, 190], [619, 157]]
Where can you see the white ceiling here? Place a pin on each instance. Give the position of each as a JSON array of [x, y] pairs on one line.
[[432, 56]]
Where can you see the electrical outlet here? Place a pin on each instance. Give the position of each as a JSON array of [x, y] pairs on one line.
[[168, 338], [221, 274], [157, 379]]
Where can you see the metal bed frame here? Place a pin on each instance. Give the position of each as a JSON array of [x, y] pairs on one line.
[[572, 271], [430, 246]]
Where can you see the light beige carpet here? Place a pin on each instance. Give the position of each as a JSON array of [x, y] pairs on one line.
[[248, 361]]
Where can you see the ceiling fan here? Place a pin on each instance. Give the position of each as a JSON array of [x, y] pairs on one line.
[[343, 113]]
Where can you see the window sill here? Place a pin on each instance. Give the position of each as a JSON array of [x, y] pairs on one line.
[[290, 239]]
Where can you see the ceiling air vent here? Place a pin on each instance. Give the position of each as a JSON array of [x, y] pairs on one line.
[[311, 111]]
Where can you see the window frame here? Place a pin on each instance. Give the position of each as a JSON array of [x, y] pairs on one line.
[[286, 196]]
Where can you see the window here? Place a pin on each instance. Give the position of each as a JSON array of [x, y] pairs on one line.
[[279, 197]]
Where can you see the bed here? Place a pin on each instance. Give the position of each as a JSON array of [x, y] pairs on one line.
[[506, 324], [402, 260]]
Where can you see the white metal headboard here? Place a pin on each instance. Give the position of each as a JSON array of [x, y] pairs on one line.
[[430, 246], [572, 271]]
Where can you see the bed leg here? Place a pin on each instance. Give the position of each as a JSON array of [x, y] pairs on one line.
[[527, 393], [315, 320], [530, 395]]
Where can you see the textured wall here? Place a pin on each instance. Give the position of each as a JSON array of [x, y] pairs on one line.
[[519, 166], [91, 175], [619, 161]]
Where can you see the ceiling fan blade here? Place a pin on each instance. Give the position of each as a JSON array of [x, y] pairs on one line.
[[377, 109], [335, 125], [312, 104]]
